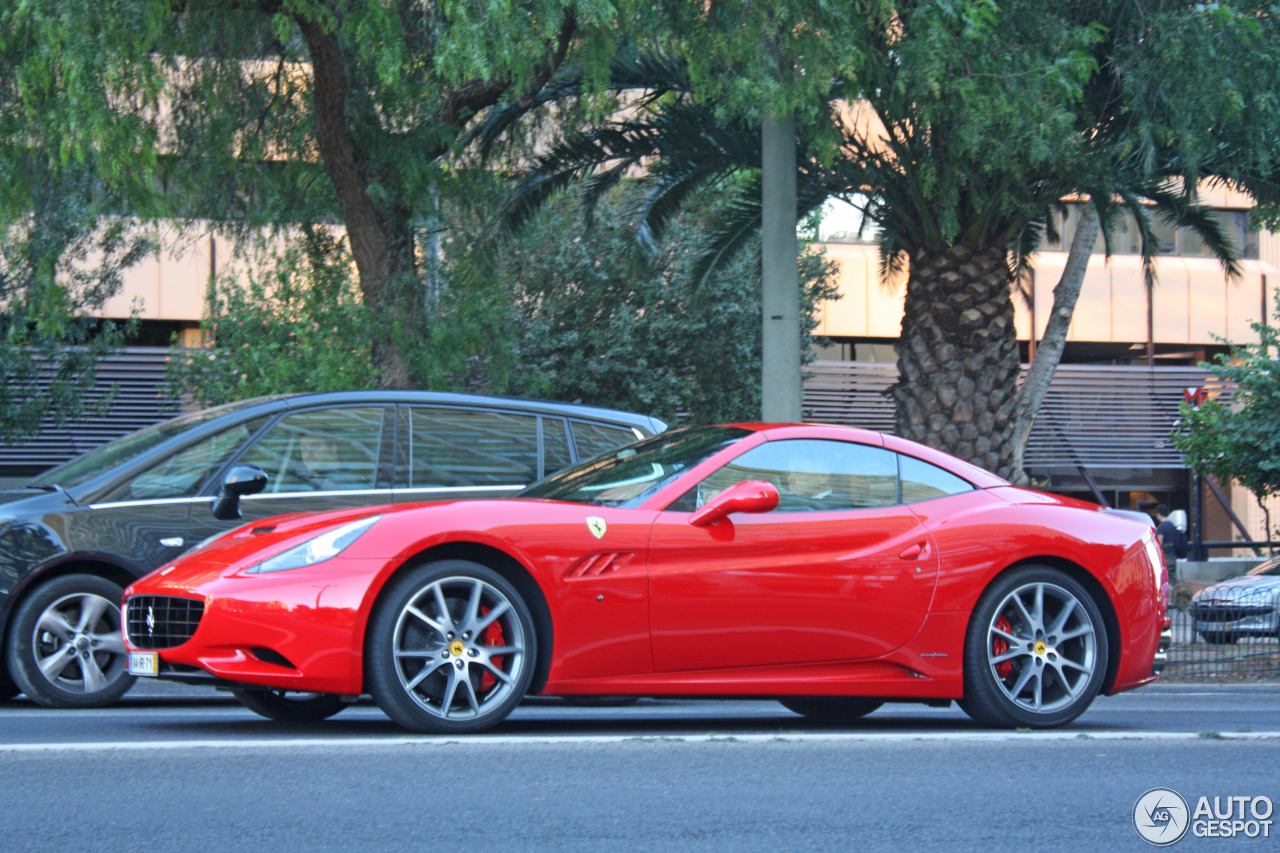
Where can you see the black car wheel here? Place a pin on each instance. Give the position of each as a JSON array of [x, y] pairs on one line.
[[451, 648], [831, 709], [288, 706], [1219, 638], [1036, 651], [65, 644]]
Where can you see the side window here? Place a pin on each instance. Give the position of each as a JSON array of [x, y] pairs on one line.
[[811, 475], [593, 439], [321, 451], [182, 473], [555, 446], [922, 481], [460, 447]]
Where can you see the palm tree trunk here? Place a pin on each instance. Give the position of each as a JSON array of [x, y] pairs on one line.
[[958, 355]]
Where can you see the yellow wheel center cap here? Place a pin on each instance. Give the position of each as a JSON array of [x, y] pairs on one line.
[[457, 649], [1041, 647]]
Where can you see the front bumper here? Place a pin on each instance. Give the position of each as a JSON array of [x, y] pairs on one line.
[[299, 630]]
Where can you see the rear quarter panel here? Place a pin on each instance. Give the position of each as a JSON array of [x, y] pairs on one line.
[[982, 533]]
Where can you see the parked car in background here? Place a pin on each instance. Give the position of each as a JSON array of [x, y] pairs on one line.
[[75, 536], [1245, 606]]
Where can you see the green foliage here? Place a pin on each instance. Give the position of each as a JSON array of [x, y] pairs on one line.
[[594, 323], [297, 325], [1239, 440]]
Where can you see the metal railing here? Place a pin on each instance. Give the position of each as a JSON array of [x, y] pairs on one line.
[[1225, 632]]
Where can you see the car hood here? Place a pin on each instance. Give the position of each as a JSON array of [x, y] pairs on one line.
[[9, 496]]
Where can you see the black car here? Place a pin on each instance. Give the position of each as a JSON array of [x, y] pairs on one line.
[[74, 537]]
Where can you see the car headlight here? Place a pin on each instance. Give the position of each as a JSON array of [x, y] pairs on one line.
[[327, 545]]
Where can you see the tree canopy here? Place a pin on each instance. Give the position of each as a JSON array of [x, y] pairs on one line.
[[959, 128], [286, 111]]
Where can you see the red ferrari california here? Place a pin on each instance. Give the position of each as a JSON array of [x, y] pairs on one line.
[[833, 569]]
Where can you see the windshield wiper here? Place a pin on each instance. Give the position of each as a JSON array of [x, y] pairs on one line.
[[53, 487]]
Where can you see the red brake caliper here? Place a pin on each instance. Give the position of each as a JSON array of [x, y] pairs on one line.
[[999, 646], [492, 636]]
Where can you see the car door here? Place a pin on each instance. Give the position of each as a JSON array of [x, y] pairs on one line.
[[316, 460], [159, 513], [840, 571]]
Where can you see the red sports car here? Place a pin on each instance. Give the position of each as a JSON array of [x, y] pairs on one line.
[[834, 569]]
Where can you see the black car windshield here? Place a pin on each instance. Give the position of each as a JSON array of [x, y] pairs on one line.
[[86, 467], [626, 477]]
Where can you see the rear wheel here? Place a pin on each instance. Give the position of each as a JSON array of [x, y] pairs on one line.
[[1036, 651], [831, 709], [289, 706], [451, 648], [65, 648], [1219, 638]]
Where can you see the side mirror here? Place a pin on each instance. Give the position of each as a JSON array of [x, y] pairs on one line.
[[748, 496], [241, 480]]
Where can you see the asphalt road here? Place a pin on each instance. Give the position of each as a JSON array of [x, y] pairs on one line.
[[183, 769]]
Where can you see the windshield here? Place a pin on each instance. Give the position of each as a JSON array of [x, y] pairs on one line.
[[627, 476], [1270, 567], [86, 467]]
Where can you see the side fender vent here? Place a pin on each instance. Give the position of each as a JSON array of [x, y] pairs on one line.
[[596, 565]]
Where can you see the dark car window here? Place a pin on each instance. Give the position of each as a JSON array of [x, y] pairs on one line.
[[181, 474], [321, 451], [593, 439], [467, 447], [555, 446], [86, 467], [922, 481], [811, 476]]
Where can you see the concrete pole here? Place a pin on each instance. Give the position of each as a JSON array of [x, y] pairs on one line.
[[780, 272]]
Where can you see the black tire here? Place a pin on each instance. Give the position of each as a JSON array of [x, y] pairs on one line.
[[289, 707], [1219, 638], [77, 618], [7, 688], [831, 709], [1029, 669], [438, 670]]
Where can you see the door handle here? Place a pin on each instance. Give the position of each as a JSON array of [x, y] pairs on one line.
[[920, 549]]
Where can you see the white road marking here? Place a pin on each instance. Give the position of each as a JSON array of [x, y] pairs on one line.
[[523, 740]]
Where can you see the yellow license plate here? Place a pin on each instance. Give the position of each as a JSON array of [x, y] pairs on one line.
[[144, 663]]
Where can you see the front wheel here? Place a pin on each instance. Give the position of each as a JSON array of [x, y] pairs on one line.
[[1036, 651], [451, 648], [65, 648], [288, 706], [1219, 638], [831, 709]]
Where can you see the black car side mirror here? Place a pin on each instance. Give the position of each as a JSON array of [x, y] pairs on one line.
[[241, 480]]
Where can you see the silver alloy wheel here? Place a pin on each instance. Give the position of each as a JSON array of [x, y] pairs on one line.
[[1047, 655], [458, 648], [78, 644]]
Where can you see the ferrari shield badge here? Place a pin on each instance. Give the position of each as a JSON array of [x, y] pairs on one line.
[[597, 526]]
